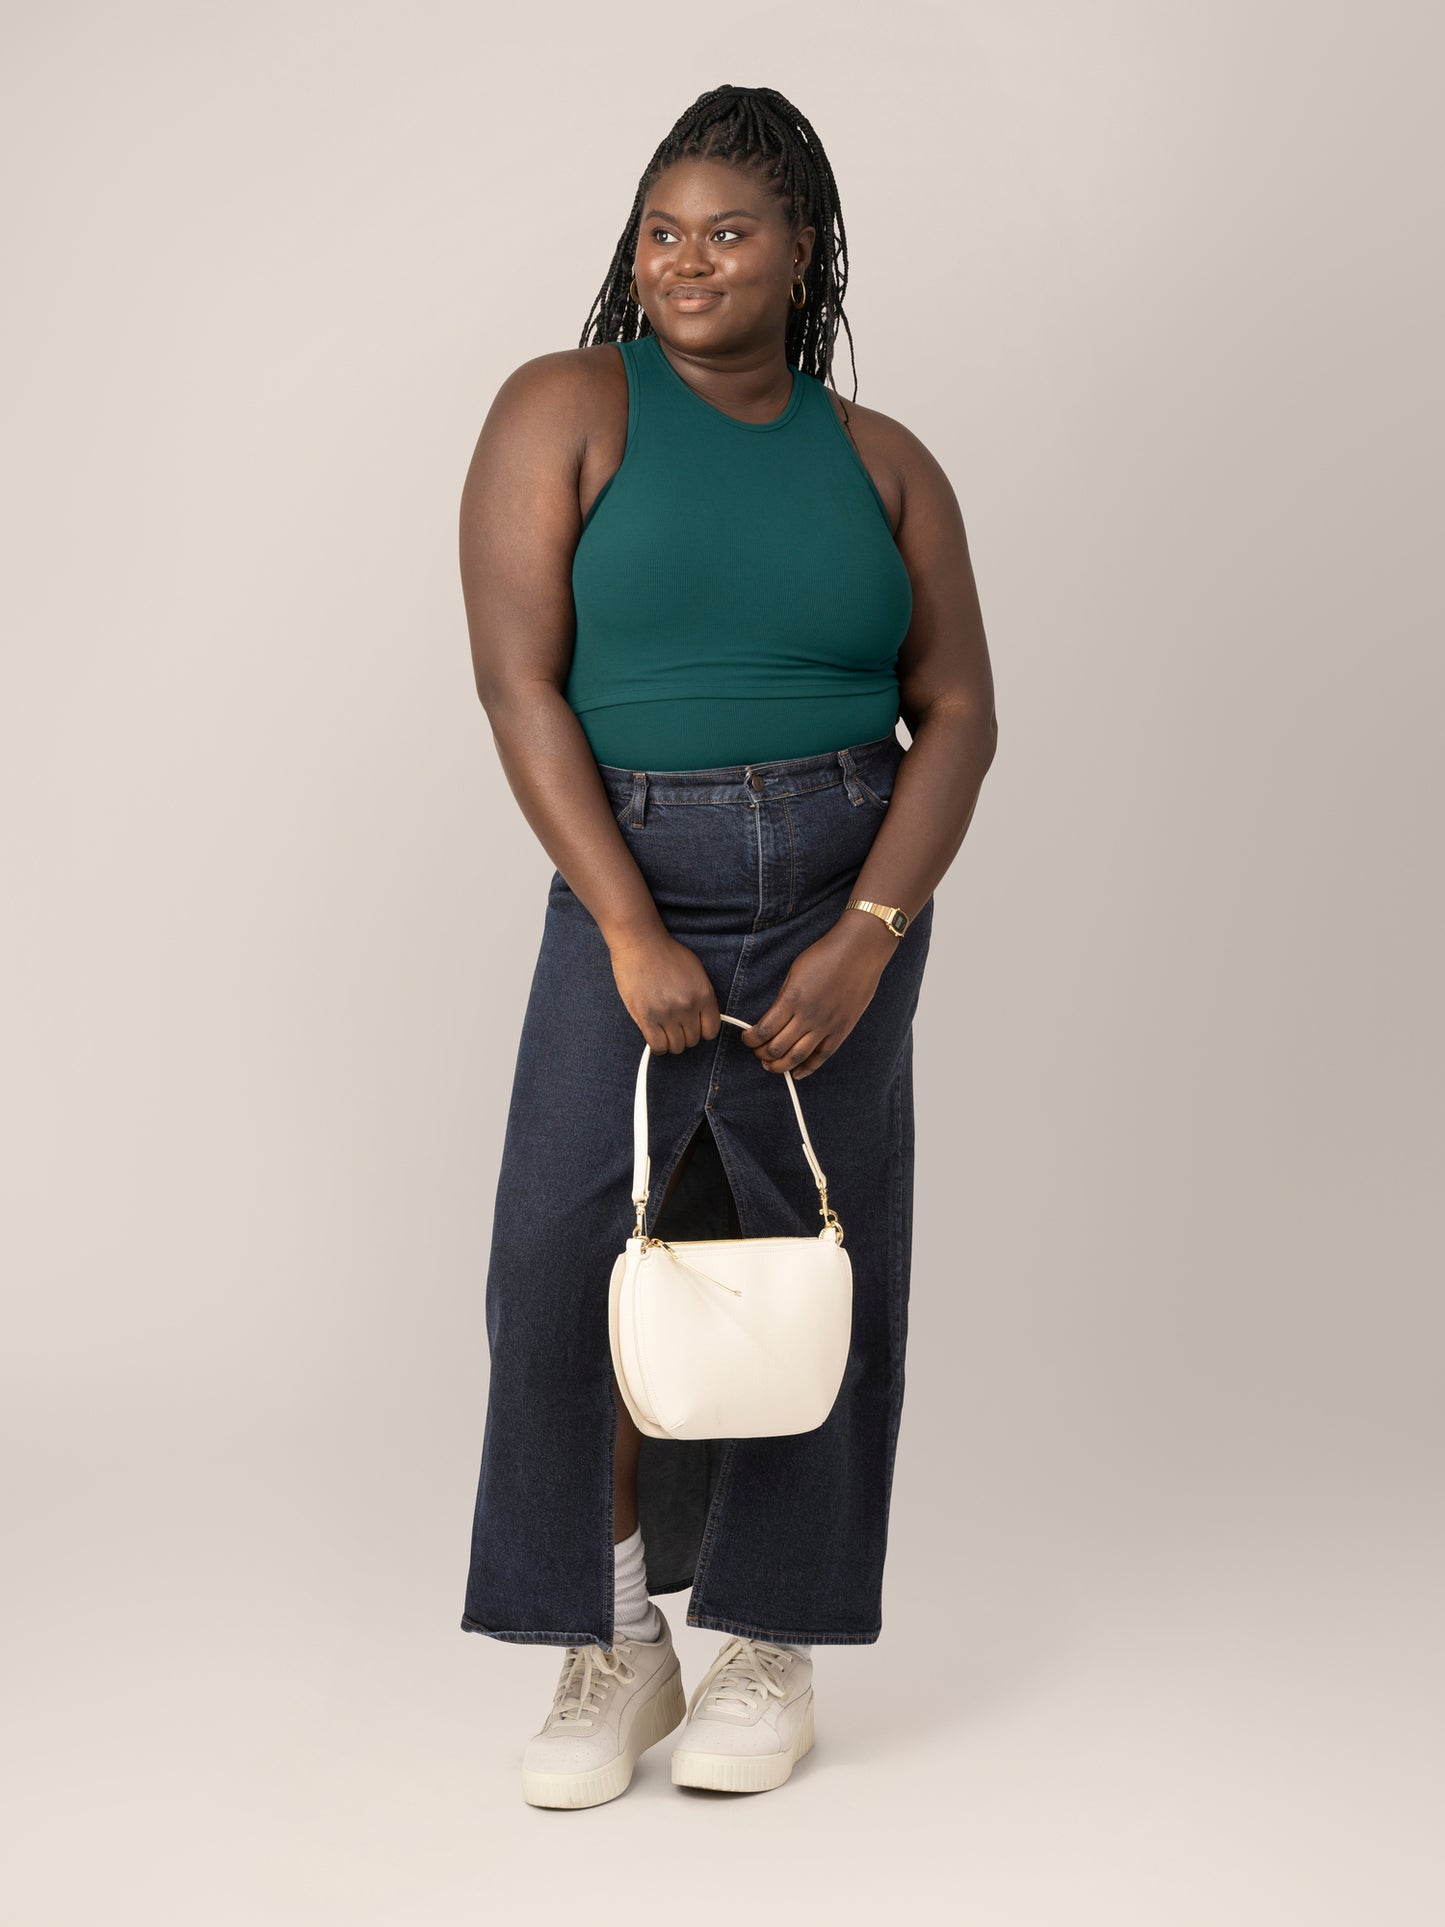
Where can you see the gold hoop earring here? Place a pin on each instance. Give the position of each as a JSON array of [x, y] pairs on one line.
[[632, 290], [798, 282]]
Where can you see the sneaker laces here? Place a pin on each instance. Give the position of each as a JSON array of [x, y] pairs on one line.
[[745, 1674], [587, 1677]]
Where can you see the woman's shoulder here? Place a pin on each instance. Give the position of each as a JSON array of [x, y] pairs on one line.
[[872, 430], [563, 381], [899, 460], [561, 397]]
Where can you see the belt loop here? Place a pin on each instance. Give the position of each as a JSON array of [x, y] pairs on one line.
[[639, 797], [850, 780]]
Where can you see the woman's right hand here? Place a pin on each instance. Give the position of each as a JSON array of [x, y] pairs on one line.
[[666, 990]]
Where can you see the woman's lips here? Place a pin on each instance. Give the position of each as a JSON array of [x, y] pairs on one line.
[[693, 297]]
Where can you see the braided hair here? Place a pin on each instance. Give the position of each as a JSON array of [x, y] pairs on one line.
[[758, 128]]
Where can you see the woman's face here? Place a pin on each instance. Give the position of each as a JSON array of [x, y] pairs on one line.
[[716, 256]]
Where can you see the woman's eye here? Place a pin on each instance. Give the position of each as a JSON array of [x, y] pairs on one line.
[[659, 233]]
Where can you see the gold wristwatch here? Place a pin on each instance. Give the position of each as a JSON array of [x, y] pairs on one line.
[[896, 919]]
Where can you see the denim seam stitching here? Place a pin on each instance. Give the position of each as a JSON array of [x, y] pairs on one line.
[[539, 1638], [792, 858], [715, 800], [709, 1534], [896, 1372], [716, 1622], [729, 1033]]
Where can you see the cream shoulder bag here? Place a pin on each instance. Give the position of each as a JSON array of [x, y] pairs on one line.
[[725, 1338]]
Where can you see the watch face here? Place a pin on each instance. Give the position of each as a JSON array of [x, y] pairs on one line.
[[899, 921]]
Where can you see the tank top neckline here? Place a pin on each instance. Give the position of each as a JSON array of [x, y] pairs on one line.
[[790, 407]]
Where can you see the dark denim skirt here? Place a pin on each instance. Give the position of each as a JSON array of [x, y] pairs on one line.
[[778, 1538]]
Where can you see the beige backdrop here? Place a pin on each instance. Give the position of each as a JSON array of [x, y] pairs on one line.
[[1160, 285]]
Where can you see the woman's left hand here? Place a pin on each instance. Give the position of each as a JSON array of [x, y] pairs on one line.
[[827, 989]]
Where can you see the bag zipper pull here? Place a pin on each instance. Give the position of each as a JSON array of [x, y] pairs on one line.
[[662, 1245]]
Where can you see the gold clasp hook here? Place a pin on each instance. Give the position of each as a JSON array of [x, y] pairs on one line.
[[829, 1215]]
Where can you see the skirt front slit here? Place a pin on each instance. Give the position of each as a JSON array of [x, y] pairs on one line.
[[778, 1538]]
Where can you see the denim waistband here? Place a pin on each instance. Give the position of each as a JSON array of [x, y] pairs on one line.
[[743, 782]]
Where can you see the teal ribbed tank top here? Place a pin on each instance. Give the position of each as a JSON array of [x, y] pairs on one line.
[[739, 594]]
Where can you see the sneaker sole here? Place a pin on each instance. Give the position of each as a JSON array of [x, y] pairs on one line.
[[662, 1714], [736, 1773]]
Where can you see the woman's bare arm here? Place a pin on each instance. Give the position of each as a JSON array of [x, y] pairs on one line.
[[521, 517], [520, 520]]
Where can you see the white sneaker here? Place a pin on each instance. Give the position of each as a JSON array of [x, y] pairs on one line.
[[609, 1707], [749, 1720]]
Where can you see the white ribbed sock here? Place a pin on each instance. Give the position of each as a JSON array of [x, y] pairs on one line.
[[635, 1616], [794, 1646]]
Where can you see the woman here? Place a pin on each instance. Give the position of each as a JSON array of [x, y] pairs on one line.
[[700, 592]]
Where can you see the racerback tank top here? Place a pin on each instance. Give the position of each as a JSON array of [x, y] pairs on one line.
[[739, 595]]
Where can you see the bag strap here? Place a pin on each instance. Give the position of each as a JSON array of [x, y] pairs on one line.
[[642, 1162]]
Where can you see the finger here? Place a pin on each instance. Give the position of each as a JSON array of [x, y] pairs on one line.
[[792, 1047], [768, 1026], [815, 1059], [776, 1038], [801, 1052]]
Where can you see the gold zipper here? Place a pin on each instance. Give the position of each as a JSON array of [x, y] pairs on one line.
[[661, 1244], [779, 1238], [710, 1244]]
